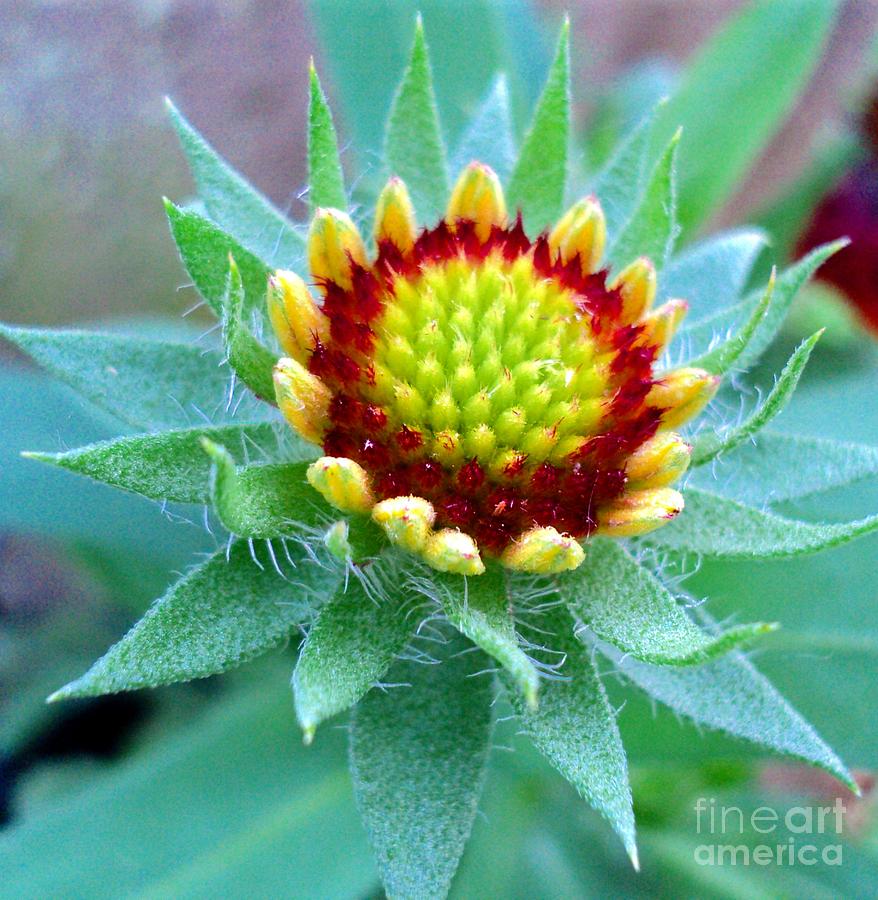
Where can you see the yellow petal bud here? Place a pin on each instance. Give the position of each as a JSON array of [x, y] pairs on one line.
[[478, 196], [333, 242], [395, 216], [407, 521], [543, 551], [658, 462], [682, 393], [453, 551], [344, 483], [639, 511], [661, 324], [637, 282], [581, 231], [302, 397], [294, 316]]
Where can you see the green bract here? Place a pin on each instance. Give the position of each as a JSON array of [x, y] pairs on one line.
[[445, 647]]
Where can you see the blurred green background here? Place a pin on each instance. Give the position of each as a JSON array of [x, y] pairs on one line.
[[204, 789]]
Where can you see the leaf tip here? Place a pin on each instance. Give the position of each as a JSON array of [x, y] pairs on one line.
[[308, 732], [633, 855]]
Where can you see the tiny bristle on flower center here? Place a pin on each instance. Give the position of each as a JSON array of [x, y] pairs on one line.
[[493, 375]]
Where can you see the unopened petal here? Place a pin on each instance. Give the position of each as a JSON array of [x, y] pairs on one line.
[[407, 521], [660, 326], [581, 232], [343, 483], [395, 216], [638, 512], [658, 462], [681, 394], [453, 551], [333, 244], [303, 399], [478, 197], [637, 284], [294, 315], [543, 551]]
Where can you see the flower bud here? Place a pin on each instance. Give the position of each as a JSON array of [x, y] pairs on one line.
[[658, 462], [637, 283], [453, 551], [543, 551], [407, 521], [302, 397], [582, 232], [682, 394], [344, 483], [638, 512], [395, 216], [294, 316], [477, 196], [333, 243]]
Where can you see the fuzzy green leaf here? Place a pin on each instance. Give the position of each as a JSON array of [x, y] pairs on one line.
[[235, 205], [652, 228], [171, 465], [262, 501], [539, 179], [575, 727], [413, 144], [479, 608], [205, 250], [353, 642], [715, 526], [723, 103], [712, 444], [418, 757], [489, 137], [252, 362], [148, 384], [620, 184], [624, 603], [325, 178], [777, 467], [729, 694], [223, 613], [720, 359], [711, 275]]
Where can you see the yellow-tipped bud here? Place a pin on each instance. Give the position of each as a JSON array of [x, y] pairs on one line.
[[407, 521], [478, 196], [395, 216], [658, 462], [543, 551], [453, 551], [344, 483], [333, 242], [302, 397], [660, 326], [296, 320], [581, 231], [637, 283], [682, 394], [639, 512]]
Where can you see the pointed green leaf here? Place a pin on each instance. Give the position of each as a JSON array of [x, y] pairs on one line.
[[699, 337], [418, 756], [723, 103], [776, 467], [251, 361], [575, 727], [262, 501], [625, 604], [729, 694], [652, 228], [539, 179], [479, 608], [223, 613], [711, 275], [723, 356], [205, 249], [413, 145], [489, 136], [148, 384], [715, 526], [711, 444], [325, 178], [236, 206], [620, 184], [172, 465], [350, 646]]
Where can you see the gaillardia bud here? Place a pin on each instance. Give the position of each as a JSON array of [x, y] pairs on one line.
[[479, 392]]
